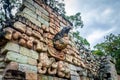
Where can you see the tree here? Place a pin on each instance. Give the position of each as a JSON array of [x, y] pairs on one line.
[[57, 5], [76, 20], [6, 7], [77, 24], [80, 40], [111, 46]]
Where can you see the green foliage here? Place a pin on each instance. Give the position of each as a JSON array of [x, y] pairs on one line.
[[111, 46], [76, 20], [57, 5], [98, 52], [14, 4], [80, 40]]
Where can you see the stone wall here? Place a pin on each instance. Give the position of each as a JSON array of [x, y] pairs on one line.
[[28, 52]]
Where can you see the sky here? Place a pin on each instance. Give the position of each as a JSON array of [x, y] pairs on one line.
[[100, 18]]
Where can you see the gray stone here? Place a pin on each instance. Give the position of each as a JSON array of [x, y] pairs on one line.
[[34, 54], [62, 24], [74, 73], [10, 47], [13, 56], [75, 78], [79, 68], [83, 73], [30, 12], [33, 20], [44, 77], [41, 9], [1, 77], [43, 21], [72, 67], [45, 17], [30, 1], [32, 61], [83, 78], [27, 68], [2, 64], [1, 58], [28, 5], [24, 51], [50, 78]]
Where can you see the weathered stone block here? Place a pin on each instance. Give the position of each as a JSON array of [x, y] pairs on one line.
[[72, 67], [10, 47], [52, 25], [38, 12], [75, 78], [13, 56], [39, 46], [9, 33], [32, 61], [28, 5], [22, 42], [1, 71], [1, 77], [30, 12], [55, 14], [2, 58], [50, 78], [16, 35], [57, 24], [79, 68], [49, 9], [51, 30], [24, 51], [34, 54], [43, 21], [45, 17], [74, 73], [30, 1], [69, 58], [55, 78], [41, 9], [36, 34], [44, 77], [84, 78], [50, 43], [60, 18], [29, 31], [27, 68], [62, 24], [64, 21], [20, 26], [31, 19], [52, 20], [31, 76], [2, 64], [12, 66]]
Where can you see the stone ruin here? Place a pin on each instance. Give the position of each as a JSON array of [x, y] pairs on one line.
[[27, 50]]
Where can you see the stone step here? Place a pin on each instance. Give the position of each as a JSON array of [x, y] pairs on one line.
[[10, 46], [27, 68], [13, 56]]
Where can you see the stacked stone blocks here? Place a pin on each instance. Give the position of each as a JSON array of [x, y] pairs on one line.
[[28, 52]]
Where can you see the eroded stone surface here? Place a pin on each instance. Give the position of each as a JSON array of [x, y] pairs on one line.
[[30, 49]]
